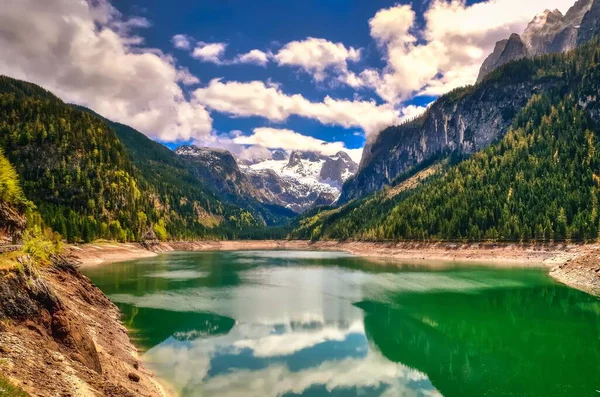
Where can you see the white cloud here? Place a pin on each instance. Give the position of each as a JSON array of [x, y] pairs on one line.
[[210, 52], [286, 344], [259, 144], [411, 112], [256, 57], [186, 78], [182, 41], [448, 51], [316, 56], [258, 99], [85, 53], [275, 138], [214, 53]]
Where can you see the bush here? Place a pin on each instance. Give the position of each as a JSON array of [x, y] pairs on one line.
[[41, 245], [161, 231]]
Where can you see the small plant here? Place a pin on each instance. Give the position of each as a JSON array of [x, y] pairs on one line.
[[41, 245], [8, 390]]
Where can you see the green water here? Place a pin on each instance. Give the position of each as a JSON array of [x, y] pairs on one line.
[[283, 323]]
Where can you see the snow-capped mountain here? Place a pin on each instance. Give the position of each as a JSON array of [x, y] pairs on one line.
[[297, 180], [301, 180]]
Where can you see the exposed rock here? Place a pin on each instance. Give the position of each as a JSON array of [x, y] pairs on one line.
[[469, 119], [582, 272], [288, 192], [61, 335], [338, 168], [218, 169], [133, 377], [548, 32], [220, 172], [279, 155], [12, 222], [506, 51], [465, 121], [590, 24], [305, 180]]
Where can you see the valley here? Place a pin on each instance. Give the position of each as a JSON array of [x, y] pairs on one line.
[[433, 239]]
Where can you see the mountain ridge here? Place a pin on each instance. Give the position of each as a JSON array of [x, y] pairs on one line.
[[466, 120], [297, 181], [538, 182]]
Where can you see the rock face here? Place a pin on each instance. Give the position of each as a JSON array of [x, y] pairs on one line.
[[219, 172], [505, 51], [548, 32], [464, 121], [218, 169], [590, 24], [288, 192], [338, 168], [298, 181]]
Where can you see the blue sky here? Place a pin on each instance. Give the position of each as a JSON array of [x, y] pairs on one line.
[[380, 62], [267, 25]]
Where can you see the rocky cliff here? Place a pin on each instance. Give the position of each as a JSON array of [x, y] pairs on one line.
[[590, 24], [547, 33], [218, 169], [463, 121]]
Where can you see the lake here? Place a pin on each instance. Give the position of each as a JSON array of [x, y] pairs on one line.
[[288, 323]]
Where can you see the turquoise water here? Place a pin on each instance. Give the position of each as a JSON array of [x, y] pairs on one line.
[[286, 323]]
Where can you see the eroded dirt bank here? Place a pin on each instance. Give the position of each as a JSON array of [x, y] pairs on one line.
[[61, 336]]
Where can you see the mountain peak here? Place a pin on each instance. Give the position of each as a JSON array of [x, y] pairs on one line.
[[548, 32]]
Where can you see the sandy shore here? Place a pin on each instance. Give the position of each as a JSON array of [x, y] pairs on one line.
[[574, 265]]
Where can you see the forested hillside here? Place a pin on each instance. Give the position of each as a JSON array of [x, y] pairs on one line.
[[540, 182], [87, 185]]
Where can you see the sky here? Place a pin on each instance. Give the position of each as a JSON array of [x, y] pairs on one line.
[[249, 76]]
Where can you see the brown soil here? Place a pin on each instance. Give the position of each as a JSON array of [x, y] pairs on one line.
[[61, 336]]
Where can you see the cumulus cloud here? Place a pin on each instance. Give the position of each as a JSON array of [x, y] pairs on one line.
[[447, 52], [256, 57], [182, 41], [315, 56], [411, 112], [210, 52], [262, 140], [186, 78], [85, 52], [215, 53], [275, 138], [269, 101]]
